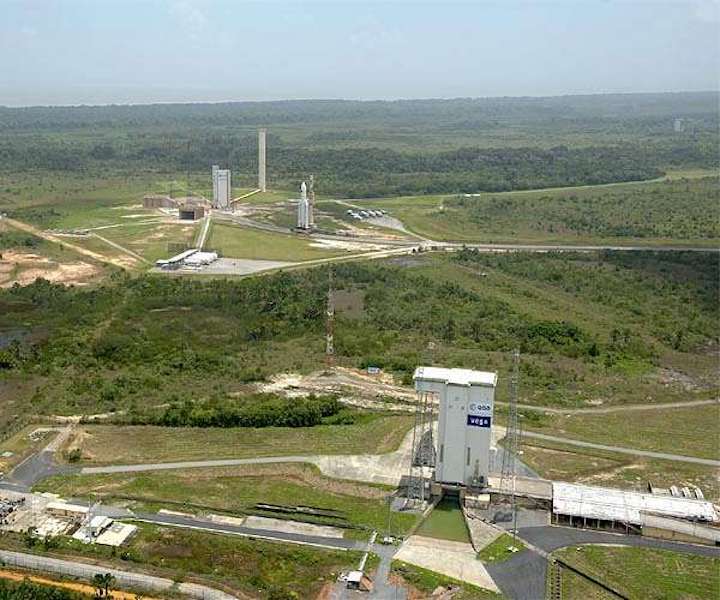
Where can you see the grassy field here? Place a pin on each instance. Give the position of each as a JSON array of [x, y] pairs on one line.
[[252, 567], [152, 241], [647, 573], [561, 462], [445, 522], [426, 582], [679, 210], [238, 242], [238, 489], [689, 431], [105, 444], [497, 551]]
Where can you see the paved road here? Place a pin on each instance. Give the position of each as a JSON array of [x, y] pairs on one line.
[[38, 466], [523, 576], [551, 538], [575, 247], [621, 450], [124, 579], [601, 410]]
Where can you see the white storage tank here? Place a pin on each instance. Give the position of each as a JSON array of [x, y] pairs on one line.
[[466, 400]]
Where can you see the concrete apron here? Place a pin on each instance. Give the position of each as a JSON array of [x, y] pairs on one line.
[[453, 559]]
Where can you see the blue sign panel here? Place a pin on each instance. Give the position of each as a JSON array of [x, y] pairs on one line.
[[476, 421]]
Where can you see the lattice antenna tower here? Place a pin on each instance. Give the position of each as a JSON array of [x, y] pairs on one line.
[[330, 322], [423, 453], [512, 439], [511, 435]]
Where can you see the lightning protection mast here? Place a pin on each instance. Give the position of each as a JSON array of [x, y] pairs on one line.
[[512, 441], [330, 323]]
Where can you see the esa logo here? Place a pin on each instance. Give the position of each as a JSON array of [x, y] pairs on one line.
[[475, 408]]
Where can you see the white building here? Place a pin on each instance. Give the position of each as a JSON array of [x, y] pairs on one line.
[[222, 187], [215, 169], [465, 399]]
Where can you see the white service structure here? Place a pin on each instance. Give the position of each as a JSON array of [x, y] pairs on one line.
[[466, 400], [222, 187]]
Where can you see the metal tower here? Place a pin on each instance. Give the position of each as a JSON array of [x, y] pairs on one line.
[[422, 453], [311, 202], [512, 439], [261, 159], [330, 322]]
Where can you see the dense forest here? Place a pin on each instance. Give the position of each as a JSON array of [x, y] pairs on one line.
[[669, 209], [366, 149], [146, 341]]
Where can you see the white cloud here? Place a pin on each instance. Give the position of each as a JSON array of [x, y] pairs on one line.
[[708, 11], [191, 17]]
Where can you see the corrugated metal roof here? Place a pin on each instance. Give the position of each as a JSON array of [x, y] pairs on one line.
[[64, 506], [619, 505], [455, 376]]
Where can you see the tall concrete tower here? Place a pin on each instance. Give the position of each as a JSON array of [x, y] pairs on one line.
[[261, 159]]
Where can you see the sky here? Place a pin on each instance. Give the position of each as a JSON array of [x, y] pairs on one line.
[[140, 51]]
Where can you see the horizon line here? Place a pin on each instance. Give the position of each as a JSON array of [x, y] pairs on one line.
[[363, 100]]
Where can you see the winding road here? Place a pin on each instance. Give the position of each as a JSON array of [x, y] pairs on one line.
[[622, 450]]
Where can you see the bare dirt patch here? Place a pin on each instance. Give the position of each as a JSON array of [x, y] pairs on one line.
[[24, 268], [354, 387]]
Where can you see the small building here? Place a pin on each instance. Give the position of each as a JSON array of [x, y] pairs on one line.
[[175, 262], [191, 212], [357, 580], [199, 259], [64, 509], [158, 201], [116, 535], [98, 524]]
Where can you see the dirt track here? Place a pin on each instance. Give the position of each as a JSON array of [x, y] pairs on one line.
[[67, 585], [123, 264]]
